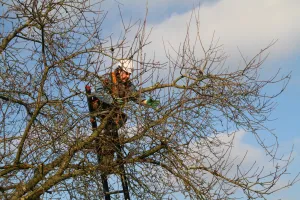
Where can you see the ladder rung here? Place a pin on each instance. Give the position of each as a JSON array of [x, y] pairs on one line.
[[115, 192]]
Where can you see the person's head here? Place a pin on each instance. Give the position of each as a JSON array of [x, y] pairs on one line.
[[125, 68]]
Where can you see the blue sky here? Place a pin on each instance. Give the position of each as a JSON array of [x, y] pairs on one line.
[[249, 25]]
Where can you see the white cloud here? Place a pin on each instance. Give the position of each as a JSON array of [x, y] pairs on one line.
[[158, 4], [251, 25], [255, 159]]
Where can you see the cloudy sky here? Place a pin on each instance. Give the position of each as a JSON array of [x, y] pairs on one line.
[[248, 25]]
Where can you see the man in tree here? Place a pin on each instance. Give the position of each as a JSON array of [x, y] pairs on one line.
[[113, 91]]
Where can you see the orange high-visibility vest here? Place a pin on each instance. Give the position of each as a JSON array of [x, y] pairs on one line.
[[114, 88]]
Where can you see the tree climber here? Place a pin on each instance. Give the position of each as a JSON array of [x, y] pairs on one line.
[[114, 91]]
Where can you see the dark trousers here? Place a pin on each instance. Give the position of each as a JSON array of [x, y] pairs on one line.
[[109, 141]]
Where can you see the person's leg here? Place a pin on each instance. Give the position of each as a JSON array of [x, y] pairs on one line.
[[109, 141], [120, 157], [106, 147]]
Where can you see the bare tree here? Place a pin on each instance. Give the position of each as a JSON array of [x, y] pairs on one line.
[[51, 49]]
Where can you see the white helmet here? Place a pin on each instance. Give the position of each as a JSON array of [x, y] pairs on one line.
[[126, 65]]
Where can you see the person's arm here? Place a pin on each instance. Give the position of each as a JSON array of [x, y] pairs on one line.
[[102, 94], [141, 98], [138, 97]]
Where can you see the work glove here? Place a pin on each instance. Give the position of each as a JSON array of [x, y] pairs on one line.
[[119, 101], [152, 103]]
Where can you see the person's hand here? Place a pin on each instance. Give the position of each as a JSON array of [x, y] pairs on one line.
[[119, 101], [152, 103]]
